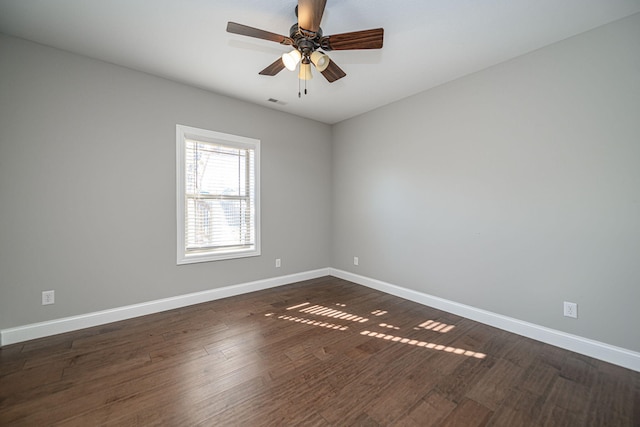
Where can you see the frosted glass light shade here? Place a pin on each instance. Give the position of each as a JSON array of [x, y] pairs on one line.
[[320, 60], [305, 72], [291, 59]]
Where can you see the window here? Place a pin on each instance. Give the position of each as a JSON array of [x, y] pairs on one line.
[[218, 190]]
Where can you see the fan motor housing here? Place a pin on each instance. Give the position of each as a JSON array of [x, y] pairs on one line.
[[306, 41]]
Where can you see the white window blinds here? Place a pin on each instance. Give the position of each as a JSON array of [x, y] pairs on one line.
[[219, 197]]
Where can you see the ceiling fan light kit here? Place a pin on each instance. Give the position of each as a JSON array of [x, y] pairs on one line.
[[306, 38], [305, 72], [291, 59], [320, 60]]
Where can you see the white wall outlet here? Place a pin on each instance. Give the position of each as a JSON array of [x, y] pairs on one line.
[[571, 309], [278, 263], [356, 261], [48, 297]]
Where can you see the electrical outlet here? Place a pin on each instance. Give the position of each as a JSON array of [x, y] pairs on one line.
[[48, 297], [356, 261], [571, 309], [278, 263]]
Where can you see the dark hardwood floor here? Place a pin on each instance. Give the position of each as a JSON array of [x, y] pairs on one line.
[[320, 352]]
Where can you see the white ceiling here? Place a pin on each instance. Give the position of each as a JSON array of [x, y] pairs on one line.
[[427, 42]]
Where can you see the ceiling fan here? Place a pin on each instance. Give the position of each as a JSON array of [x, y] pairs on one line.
[[308, 43]]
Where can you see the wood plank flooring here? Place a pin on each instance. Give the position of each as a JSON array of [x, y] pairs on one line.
[[315, 353]]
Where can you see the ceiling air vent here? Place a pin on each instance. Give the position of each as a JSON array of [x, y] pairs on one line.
[[275, 101]]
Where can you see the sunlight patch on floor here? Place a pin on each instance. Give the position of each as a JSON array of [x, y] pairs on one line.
[[432, 325], [432, 346], [378, 312], [308, 308], [320, 310], [385, 325], [298, 306], [314, 323]]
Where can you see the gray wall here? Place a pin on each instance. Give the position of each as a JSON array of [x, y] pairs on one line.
[[87, 185], [511, 190]]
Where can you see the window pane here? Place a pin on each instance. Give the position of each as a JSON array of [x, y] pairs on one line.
[[216, 170], [216, 223]]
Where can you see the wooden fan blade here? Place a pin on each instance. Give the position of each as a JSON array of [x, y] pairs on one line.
[[366, 39], [310, 14], [273, 69], [244, 30], [333, 72]]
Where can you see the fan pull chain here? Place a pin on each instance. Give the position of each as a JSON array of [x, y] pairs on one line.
[[305, 84]]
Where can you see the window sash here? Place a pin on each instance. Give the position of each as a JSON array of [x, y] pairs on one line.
[[220, 188]]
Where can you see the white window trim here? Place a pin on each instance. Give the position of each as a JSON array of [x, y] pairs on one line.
[[187, 132]]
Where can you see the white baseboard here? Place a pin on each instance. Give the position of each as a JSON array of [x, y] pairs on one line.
[[68, 324], [598, 350]]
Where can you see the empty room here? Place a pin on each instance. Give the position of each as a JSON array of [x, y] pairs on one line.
[[312, 212]]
